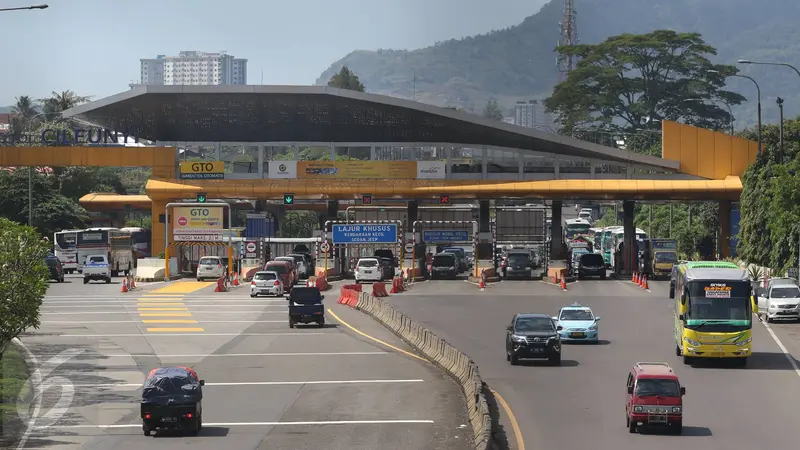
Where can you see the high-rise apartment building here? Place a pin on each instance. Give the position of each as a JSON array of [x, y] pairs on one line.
[[194, 68], [532, 114]]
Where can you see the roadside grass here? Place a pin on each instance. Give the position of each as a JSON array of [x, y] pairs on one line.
[[13, 375]]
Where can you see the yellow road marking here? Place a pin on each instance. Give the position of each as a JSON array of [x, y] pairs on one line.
[[162, 304], [182, 287], [172, 330], [374, 338], [169, 321], [511, 417], [163, 309], [186, 314]]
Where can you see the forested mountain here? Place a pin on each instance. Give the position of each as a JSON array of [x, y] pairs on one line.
[[520, 62]]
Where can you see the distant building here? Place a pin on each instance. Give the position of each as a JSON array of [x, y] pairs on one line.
[[511, 120], [532, 114], [192, 68], [5, 123]]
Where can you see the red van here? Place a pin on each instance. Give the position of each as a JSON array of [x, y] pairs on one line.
[[654, 397], [284, 270]]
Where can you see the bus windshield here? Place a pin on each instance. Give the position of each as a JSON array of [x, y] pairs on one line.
[[727, 301], [575, 230]]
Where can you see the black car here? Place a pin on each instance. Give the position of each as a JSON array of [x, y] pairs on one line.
[[387, 267], [172, 399], [444, 265], [56, 270], [518, 264], [591, 265], [533, 336]]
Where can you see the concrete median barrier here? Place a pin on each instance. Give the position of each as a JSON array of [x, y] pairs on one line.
[[451, 360], [330, 275], [152, 269], [379, 290]]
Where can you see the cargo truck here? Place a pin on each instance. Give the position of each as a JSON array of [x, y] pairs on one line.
[[657, 257]]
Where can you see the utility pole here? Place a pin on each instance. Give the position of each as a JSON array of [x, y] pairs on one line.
[[780, 131], [30, 196]]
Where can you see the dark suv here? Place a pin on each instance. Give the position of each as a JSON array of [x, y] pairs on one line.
[[56, 270], [518, 264], [591, 265], [533, 336], [444, 265]]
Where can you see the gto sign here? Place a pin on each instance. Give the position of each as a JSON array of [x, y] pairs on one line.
[[202, 170], [191, 223]]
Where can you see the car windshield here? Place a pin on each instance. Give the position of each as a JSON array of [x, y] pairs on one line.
[[444, 260], [298, 258], [367, 263], [666, 257], [308, 296], [576, 314], [261, 276], [592, 259], [516, 258], [533, 324], [97, 259], [277, 268], [785, 292], [656, 386], [209, 262]]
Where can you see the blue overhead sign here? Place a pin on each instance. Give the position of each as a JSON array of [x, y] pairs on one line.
[[365, 234], [439, 236]]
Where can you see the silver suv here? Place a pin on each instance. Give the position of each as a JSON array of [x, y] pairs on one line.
[[780, 300]]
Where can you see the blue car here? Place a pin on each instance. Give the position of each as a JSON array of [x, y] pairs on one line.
[[577, 323]]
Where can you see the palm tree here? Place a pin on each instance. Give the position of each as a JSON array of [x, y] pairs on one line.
[[24, 107], [59, 102]]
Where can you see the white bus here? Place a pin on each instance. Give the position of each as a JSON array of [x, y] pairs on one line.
[[65, 247]]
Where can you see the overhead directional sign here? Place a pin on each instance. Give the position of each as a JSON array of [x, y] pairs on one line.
[[444, 236], [365, 234]]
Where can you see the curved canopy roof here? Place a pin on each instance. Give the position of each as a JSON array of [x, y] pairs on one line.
[[320, 114]]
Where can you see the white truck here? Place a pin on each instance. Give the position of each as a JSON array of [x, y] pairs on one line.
[[96, 268]]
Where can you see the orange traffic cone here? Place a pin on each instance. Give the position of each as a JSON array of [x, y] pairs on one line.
[[644, 284], [563, 283], [133, 283], [124, 286], [482, 283], [235, 281], [633, 277]]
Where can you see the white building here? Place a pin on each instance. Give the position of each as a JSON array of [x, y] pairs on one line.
[[194, 68], [532, 114]]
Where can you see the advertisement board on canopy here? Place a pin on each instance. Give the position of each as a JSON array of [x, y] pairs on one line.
[[197, 223]]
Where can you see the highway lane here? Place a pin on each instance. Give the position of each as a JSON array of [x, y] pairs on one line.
[[581, 403], [268, 386]]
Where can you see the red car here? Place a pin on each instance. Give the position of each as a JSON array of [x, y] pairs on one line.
[[284, 270], [654, 397]]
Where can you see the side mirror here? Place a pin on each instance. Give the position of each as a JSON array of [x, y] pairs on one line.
[[680, 317], [322, 297], [559, 328], [683, 391], [555, 319], [630, 390], [597, 319], [508, 328], [202, 382]]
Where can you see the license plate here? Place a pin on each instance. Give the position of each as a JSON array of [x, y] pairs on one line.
[[538, 350], [658, 419], [577, 335], [169, 419], [717, 353]]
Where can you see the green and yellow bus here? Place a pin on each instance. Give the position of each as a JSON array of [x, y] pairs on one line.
[[713, 311]]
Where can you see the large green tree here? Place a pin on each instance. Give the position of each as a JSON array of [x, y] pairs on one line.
[[346, 79], [630, 82], [492, 110], [23, 279], [59, 102]]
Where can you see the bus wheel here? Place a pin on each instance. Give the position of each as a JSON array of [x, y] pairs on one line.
[[677, 350], [688, 360]]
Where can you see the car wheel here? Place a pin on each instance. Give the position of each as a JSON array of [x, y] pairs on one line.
[[555, 359], [627, 421], [508, 355], [85, 281], [631, 426], [687, 360], [146, 430], [677, 350], [108, 280], [61, 280], [321, 324], [677, 428], [291, 323], [514, 359], [253, 295], [603, 277]]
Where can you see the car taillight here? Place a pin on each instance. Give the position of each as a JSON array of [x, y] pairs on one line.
[[253, 283], [147, 416], [219, 265], [189, 415], [277, 283]]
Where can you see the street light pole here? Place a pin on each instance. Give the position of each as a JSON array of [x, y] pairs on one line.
[[730, 110], [779, 101], [766, 63], [758, 90], [20, 8]]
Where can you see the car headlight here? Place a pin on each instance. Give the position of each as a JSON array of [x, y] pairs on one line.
[[691, 342], [453, 268], [773, 307], [516, 338], [744, 342], [637, 409], [676, 409], [593, 327]]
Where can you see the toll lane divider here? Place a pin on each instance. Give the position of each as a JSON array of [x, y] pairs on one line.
[[348, 294], [437, 350], [319, 282], [488, 275], [222, 284], [397, 285], [379, 290]]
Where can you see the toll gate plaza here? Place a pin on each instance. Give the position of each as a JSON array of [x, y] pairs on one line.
[[329, 149]]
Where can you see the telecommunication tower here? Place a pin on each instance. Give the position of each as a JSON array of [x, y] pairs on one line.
[[568, 36]]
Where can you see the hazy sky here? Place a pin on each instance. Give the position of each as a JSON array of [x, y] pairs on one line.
[[93, 47]]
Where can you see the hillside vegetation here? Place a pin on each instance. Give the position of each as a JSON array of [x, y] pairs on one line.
[[520, 62]]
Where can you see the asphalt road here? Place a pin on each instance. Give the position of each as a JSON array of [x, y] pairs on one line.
[[267, 386], [581, 404]]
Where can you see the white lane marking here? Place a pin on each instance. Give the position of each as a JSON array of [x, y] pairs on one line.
[[149, 335], [264, 383], [134, 305], [786, 353], [193, 311], [159, 300], [260, 424], [142, 322], [237, 355]]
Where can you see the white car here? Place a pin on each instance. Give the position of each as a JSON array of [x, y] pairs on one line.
[[96, 268], [266, 283], [210, 267], [368, 269], [780, 300]]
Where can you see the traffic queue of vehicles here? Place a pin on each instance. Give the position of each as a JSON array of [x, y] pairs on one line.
[[121, 247]]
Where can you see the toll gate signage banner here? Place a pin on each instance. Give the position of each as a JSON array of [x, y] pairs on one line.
[[198, 224], [357, 170], [202, 170]]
